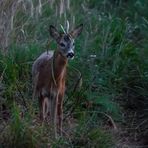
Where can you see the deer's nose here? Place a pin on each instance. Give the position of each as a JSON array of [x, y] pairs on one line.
[[70, 55]]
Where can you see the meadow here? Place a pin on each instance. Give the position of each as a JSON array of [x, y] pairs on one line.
[[106, 100]]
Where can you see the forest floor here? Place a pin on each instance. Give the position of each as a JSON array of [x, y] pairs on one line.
[[125, 133], [129, 134]]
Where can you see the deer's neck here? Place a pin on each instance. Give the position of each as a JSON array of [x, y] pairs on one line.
[[59, 66]]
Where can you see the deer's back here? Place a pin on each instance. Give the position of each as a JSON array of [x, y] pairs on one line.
[[41, 70], [41, 62]]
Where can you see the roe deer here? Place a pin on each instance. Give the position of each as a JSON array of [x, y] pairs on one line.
[[49, 72]]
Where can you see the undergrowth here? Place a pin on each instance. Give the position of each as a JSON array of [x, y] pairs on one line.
[[111, 56]]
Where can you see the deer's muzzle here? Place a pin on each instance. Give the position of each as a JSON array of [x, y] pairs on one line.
[[70, 55]]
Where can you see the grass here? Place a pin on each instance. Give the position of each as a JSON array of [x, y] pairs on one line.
[[112, 52]]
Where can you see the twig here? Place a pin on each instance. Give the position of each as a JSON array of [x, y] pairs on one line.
[[106, 115], [24, 102], [77, 100], [111, 120]]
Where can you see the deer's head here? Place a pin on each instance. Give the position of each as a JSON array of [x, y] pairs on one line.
[[66, 40]]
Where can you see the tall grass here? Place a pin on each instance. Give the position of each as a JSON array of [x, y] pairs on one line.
[[112, 52]]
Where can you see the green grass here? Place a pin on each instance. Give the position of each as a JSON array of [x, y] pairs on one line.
[[112, 52]]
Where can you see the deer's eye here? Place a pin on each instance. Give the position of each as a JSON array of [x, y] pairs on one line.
[[62, 44]]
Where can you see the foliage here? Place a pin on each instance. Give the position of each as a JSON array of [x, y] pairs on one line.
[[111, 55]]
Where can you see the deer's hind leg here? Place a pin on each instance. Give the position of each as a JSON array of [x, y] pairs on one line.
[[43, 107], [40, 100], [53, 111], [60, 112]]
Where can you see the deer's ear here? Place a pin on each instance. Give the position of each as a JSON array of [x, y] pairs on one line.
[[53, 32], [77, 31]]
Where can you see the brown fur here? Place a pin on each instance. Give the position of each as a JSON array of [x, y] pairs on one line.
[[49, 72], [46, 87]]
